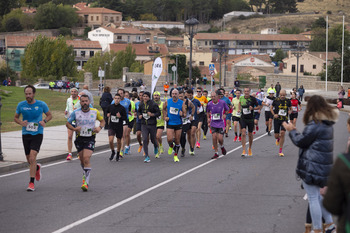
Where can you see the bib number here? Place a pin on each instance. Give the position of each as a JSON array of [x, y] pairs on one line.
[[33, 127], [145, 115], [246, 111], [294, 108], [114, 119], [216, 116], [174, 111], [185, 121], [86, 132], [238, 114], [200, 109], [282, 112]]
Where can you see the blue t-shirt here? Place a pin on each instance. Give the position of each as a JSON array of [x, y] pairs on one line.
[[227, 100], [259, 104], [126, 104], [173, 110], [33, 113], [197, 105]]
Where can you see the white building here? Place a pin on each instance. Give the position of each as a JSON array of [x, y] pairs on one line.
[[157, 24], [102, 35], [270, 31]]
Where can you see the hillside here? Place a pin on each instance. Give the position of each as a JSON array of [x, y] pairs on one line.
[[303, 19]]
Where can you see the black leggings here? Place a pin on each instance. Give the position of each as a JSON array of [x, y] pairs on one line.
[[185, 128], [205, 125]]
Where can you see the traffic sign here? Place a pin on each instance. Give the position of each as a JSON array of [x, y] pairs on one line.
[[212, 73], [173, 68], [211, 67]]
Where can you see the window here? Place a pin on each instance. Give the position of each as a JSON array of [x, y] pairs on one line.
[[97, 18], [106, 18], [206, 42], [314, 67], [301, 68], [92, 53], [119, 37], [199, 43], [75, 53], [201, 63], [92, 18], [112, 19], [128, 39], [82, 53], [293, 68]]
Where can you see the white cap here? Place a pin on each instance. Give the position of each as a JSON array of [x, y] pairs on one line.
[[271, 92]]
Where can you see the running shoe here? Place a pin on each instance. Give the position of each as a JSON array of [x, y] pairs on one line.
[[198, 145], [330, 228], [244, 153], [230, 128], [204, 137], [85, 187], [281, 154], [156, 150], [215, 156], [30, 187], [223, 150], [170, 150], [157, 156], [239, 138], [227, 135], [84, 179], [254, 132], [112, 156], [235, 140], [183, 152], [121, 154], [69, 157], [250, 153], [268, 133], [127, 150], [212, 147], [78, 156], [277, 142], [147, 159], [210, 131], [257, 128], [191, 152], [176, 159], [140, 148], [38, 172], [161, 149]]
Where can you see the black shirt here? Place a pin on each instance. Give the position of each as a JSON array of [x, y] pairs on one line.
[[115, 122], [281, 108]]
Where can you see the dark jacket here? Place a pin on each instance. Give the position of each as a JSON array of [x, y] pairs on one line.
[[152, 107], [106, 99], [315, 150], [335, 200], [278, 87]]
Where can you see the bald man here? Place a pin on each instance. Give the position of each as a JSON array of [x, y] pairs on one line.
[[86, 91]]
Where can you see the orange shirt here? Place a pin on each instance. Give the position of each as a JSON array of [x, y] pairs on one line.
[[166, 87]]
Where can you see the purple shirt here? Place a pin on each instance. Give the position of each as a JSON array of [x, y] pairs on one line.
[[216, 111]]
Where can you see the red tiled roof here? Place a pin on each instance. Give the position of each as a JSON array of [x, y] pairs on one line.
[[140, 49], [80, 5], [238, 58], [97, 10], [177, 38], [322, 55], [84, 44], [125, 30], [253, 37]]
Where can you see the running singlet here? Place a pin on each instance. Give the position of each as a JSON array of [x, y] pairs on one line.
[[32, 113], [160, 120], [126, 104], [268, 100], [295, 105], [235, 102], [132, 117], [216, 111], [246, 113], [173, 110], [197, 105], [203, 102], [227, 100], [86, 120], [281, 108]]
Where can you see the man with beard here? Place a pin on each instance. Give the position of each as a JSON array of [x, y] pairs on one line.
[[85, 129], [32, 130], [186, 122], [160, 123]]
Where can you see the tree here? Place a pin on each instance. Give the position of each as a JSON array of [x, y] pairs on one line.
[[45, 56], [123, 59], [319, 23], [148, 17], [7, 5], [279, 56], [283, 6], [334, 70], [99, 60], [26, 21], [182, 69], [335, 35], [292, 30], [13, 25]]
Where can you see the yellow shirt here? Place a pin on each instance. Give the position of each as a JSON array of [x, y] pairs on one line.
[[235, 102]]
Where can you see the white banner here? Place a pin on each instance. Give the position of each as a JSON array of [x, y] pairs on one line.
[[156, 72]]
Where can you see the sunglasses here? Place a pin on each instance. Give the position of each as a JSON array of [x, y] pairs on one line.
[[199, 91]]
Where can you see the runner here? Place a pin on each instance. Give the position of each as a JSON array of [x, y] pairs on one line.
[[229, 114], [160, 123], [186, 122], [257, 113], [194, 123], [72, 103], [222, 96], [236, 116], [296, 107], [201, 115], [166, 89], [138, 122], [148, 113], [268, 115], [173, 109], [117, 117], [85, 129], [216, 111], [280, 109], [205, 122], [131, 121], [246, 106], [32, 130]]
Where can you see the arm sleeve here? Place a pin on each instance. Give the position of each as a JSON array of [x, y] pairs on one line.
[[304, 139], [67, 106]]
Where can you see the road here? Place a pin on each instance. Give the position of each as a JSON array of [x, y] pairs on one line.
[[231, 194]]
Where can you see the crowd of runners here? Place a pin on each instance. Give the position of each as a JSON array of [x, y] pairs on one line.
[[186, 116]]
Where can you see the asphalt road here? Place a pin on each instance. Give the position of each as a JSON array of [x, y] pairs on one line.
[[231, 194]]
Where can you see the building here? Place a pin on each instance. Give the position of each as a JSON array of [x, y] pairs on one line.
[[310, 62], [174, 41], [157, 24], [15, 47], [98, 17], [248, 43], [270, 31]]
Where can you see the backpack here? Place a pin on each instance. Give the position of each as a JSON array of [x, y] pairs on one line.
[[346, 160]]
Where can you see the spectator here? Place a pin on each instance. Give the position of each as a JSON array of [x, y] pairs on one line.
[[341, 94], [77, 85], [59, 85], [301, 92], [315, 156], [205, 79], [4, 83], [237, 83], [9, 81], [278, 89], [88, 93], [271, 89], [105, 101]]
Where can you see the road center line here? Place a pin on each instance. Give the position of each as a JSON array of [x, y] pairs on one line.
[[103, 211]]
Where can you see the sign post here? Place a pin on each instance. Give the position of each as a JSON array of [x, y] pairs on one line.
[[101, 74], [173, 68], [212, 73]]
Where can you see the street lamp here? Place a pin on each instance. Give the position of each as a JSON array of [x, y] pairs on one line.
[[191, 29], [221, 50], [298, 52]]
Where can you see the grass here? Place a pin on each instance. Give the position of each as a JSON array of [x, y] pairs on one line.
[[11, 96]]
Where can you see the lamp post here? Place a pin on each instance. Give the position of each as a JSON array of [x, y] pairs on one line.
[[221, 50], [298, 52], [191, 29]]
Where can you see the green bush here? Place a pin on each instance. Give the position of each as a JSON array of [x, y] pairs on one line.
[[65, 31]]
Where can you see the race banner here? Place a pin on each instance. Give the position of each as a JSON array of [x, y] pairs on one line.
[[156, 72]]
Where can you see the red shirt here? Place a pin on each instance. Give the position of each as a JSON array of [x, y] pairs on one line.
[[295, 105]]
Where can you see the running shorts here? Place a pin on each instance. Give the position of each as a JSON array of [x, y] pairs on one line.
[[117, 132], [194, 123], [174, 127], [293, 116], [217, 130], [268, 115], [201, 117], [31, 142], [131, 124], [160, 127], [234, 118], [247, 123], [277, 126], [138, 126], [256, 115], [186, 127], [228, 116], [204, 82], [82, 143]]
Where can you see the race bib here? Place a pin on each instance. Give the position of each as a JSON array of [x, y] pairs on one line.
[[114, 119], [246, 111], [238, 114], [282, 112], [185, 121], [174, 111], [200, 109], [86, 132], [145, 115], [294, 108], [216, 116], [33, 127]]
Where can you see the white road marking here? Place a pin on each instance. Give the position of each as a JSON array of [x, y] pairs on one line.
[[103, 211]]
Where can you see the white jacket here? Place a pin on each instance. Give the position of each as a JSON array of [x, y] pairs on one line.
[[70, 107]]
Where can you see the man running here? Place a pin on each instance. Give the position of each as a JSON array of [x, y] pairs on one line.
[[186, 122], [85, 118], [268, 115], [280, 109], [117, 117], [160, 123], [194, 123], [257, 113], [32, 130], [148, 113], [236, 116], [138, 122], [72, 104], [205, 122], [246, 106], [216, 111], [296, 107], [131, 121], [166, 89], [201, 114], [173, 109], [229, 114]]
